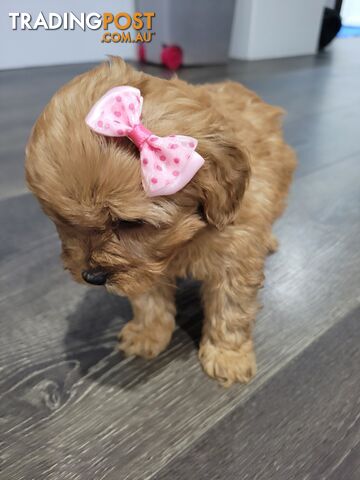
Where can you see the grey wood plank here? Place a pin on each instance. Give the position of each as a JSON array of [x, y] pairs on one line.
[[71, 407], [322, 139], [303, 424], [23, 95], [72, 398], [26, 226]]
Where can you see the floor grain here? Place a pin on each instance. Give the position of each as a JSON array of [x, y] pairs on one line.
[[71, 407], [286, 430]]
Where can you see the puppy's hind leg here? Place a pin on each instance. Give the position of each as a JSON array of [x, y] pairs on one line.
[[150, 330]]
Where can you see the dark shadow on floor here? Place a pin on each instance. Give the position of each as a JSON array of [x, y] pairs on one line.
[[91, 339]]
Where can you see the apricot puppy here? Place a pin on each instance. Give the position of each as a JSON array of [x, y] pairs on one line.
[[216, 229]]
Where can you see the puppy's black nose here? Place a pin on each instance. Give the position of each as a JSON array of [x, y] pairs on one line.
[[95, 276]]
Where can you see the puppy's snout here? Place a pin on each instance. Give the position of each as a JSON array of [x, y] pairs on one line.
[[96, 276]]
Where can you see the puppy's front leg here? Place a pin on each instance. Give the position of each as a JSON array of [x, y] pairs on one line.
[[226, 350], [150, 330]]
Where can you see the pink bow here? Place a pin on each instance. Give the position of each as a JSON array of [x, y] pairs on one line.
[[167, 163]]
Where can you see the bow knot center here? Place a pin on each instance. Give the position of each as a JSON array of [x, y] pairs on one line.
[[139, 134]]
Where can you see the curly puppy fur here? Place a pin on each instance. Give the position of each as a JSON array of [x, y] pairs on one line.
[[90, 186]]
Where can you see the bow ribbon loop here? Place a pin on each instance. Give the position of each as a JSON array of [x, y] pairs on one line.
[[167, 163]]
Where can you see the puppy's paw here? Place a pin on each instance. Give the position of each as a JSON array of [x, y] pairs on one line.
[[228, 366], [135, 339]]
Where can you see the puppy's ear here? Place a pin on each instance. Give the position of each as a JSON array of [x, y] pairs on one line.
[[222, 181]]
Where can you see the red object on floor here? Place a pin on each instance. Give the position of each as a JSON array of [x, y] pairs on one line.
[[171, 56], [141, 52]]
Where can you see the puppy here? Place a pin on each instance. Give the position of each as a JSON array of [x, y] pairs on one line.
[[216, 229]]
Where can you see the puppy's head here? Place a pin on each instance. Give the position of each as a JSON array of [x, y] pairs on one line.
[[90, 186]]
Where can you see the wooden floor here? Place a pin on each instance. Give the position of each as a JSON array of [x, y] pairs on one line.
[[72, 408]]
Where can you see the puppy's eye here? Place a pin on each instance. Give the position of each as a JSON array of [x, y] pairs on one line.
[[127, 224]]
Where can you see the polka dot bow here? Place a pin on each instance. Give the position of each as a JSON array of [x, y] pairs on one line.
[[167, 163]]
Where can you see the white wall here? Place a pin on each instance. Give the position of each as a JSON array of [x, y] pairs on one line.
[[330, 3], [24, 48], [350, 13], [275, 28]]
